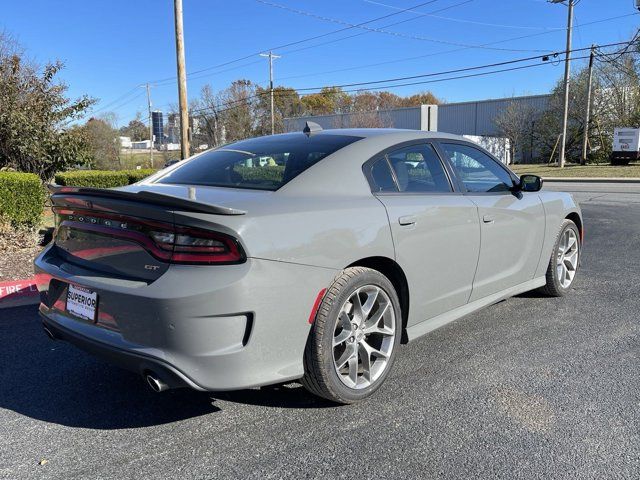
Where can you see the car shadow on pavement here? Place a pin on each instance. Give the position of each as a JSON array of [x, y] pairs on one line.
[[290, 395], [57, 383]]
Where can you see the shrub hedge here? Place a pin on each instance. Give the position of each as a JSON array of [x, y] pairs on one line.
[[119, 178], [101, 178], [272, 173], [21, 199]]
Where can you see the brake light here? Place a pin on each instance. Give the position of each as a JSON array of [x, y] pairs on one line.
[[190, 245], [166, 242]]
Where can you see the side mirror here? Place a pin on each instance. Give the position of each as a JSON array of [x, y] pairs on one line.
[[530, 183]]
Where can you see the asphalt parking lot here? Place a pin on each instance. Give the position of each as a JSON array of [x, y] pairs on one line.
[[532, 387]]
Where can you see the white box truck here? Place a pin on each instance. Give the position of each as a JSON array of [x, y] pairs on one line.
[[626, 145]]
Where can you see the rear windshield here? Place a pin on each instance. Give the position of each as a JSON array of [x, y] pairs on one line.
[[264, 163]]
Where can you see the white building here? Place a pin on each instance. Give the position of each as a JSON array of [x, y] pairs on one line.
[[125, 142], [142, 145]]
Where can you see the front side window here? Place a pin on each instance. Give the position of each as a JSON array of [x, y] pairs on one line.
[[418, 169], [477, 170], [264, 163]]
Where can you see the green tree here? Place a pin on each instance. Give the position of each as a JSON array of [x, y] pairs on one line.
[[286, 103], [34, 116], [328, 100], [135, 129], [103, 142], [422, 98]]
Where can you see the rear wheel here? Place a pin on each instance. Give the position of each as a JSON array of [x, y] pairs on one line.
[[354, 337], [565, 260]]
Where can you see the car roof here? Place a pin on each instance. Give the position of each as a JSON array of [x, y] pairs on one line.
[[375, 132]]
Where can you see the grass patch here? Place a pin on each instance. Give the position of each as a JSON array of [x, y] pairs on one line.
[[129, 160], [572, 170]]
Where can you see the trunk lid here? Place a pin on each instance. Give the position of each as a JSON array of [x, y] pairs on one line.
[[128, 232]]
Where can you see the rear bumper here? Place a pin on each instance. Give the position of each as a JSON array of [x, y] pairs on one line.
[[207, 327], [128, 360]]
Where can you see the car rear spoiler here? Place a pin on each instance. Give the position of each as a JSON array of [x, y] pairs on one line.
[[159, 199]]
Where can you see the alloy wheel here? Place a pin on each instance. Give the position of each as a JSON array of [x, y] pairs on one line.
[[364, 336], [567, 258]]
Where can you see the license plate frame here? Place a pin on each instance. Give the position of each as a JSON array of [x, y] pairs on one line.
[[82, 302]]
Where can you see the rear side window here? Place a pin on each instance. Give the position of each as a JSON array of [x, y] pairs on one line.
[[264, 163], [412, 169], [381, 177], [418, 169]]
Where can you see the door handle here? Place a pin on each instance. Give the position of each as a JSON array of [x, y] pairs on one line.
[[407, 220], [488, 219]]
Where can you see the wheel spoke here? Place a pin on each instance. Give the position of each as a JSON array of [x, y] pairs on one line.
[[345, 325], [372, 296], [357, 313], [341, 337], [373, 351], [571, 260], [353, 366], [365, 358], [372, 325]]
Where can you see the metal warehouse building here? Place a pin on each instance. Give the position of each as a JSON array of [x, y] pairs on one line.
[[473, 119]]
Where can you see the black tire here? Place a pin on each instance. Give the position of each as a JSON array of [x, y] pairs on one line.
[[321, 377], [554, 286]]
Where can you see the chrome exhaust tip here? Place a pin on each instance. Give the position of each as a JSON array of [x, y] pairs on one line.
[[49, 333], [155, 383]]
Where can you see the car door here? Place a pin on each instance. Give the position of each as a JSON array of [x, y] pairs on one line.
[[512, 223], [435, 229]]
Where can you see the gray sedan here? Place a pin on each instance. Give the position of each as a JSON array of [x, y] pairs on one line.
[[306, 256]]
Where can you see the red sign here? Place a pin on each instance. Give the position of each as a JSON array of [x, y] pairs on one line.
[[18, 292]]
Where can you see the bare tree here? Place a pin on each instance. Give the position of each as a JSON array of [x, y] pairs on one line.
[[514, 123]]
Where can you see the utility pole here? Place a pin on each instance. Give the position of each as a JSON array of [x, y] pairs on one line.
[[585, 140], [182, 81], [150, 125], [271, 57], [567, 74]]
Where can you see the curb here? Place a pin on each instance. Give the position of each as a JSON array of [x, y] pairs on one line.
[[592, 179], [16, 293]]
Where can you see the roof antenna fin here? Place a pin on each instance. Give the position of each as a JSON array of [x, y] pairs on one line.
[[310, 128]]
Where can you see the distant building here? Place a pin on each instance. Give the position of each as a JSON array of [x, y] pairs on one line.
[[158, 127], [142, 145], [474, 119], [125, 142], [171, 147]]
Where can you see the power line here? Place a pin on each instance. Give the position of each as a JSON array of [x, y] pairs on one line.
[[113, 102], [162, 82], [473, 22], [381, 30], [442, 52], [365, 33], [308, 39], [432, 74], [239, 103]]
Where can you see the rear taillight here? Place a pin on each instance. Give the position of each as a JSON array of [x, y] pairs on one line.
[[190, 245], [166, 242]]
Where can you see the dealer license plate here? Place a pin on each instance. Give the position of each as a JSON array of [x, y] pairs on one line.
[[82, 302]]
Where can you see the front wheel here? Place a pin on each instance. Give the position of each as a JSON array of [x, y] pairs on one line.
[[565, 260], [354, 337]]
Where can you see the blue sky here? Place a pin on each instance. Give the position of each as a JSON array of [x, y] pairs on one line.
[[111, 47]]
